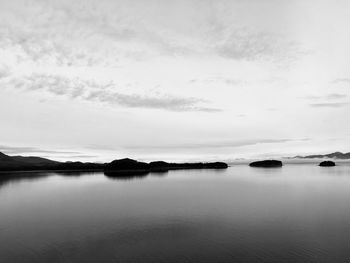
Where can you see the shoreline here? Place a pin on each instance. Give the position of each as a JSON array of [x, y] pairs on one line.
[[48, 170]]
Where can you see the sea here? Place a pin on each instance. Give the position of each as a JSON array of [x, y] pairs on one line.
[[296, 213]]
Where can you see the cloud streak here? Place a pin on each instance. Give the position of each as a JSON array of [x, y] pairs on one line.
[[331, 100], [341, 80], [329, 105], [245, 44], [215, 144], [28, 150], [331, 96], [90, 90]]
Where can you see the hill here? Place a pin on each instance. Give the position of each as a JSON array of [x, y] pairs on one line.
[[24, 163], [335, 155], [21, 163]]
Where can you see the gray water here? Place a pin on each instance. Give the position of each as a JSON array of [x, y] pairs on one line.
[[298, 213]]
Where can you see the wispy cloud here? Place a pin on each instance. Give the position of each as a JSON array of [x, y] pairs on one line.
[[331, 96], [245, 44], [329, 105], [341, 80], [90, 90], [335, 96], [66, 33], [28, 150], [71, 157], [331, 100], [4, 71], [214, 144], [220, 80]]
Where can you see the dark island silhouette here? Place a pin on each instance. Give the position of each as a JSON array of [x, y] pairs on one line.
[[125, 167], [266, 164], [32, 163], [327, 164], [21, 163]]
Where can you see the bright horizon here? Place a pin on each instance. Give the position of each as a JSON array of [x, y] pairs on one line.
[[174, 80]]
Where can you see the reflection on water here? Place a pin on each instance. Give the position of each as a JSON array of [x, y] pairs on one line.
[[13, 177], [123, 175], [299, 213]]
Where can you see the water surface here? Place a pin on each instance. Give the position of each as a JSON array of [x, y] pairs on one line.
[[298, 213]]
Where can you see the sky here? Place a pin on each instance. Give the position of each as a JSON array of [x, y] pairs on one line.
[[97, 80]]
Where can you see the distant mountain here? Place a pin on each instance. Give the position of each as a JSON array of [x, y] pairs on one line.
[[21, 163], [335, 155], [16, 163], [8, 162]]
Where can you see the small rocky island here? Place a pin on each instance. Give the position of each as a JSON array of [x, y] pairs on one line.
[[327, 164], [266, 164], [132, 166]]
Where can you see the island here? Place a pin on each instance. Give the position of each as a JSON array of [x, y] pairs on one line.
[[327, 164], [126, 165], [129, 166], [266, 164], [32, 163]]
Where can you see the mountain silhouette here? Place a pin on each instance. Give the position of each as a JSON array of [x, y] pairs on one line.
[[32, 163], [334, 155], [20, 162], [24, 163]]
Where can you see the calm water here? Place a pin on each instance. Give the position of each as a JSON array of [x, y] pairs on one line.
[[298, 213]]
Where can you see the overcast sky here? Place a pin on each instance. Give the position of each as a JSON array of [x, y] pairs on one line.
[[98, 80]]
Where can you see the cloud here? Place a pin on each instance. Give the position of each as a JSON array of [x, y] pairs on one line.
[[90, 90], [214, 144], [26, 150], [323, 101], [329, 105], [272, 109], [247, 44], [219, 80], [341, 80], [170, 103], [70, 157], [331, 96], [335, 96], [67, 33], [4, 71]]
